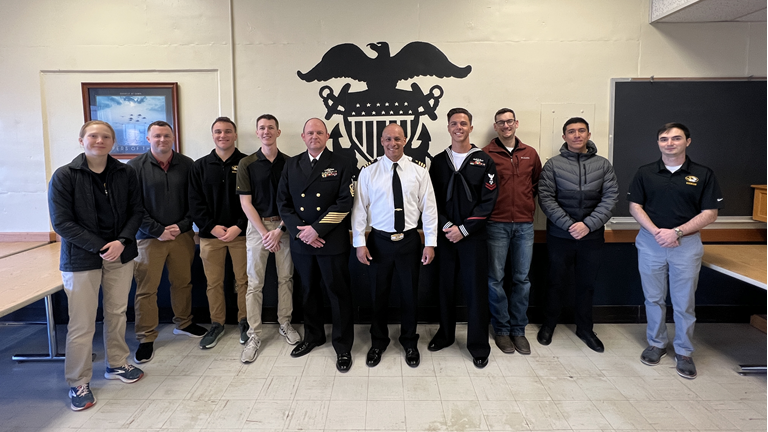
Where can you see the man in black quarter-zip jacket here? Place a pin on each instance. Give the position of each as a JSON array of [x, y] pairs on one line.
[[165, 239], [577, 192]]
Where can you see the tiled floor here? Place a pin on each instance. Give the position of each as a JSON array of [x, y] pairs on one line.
[[561, 387]]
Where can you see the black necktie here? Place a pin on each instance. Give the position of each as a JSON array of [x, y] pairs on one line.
[[312, 163], [397, 190]]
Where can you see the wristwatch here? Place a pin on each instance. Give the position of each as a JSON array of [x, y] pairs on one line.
[[122, 241], [283, 228], [679, 232]]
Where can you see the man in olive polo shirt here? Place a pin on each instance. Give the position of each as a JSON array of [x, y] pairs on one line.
[[257, 178], [672, 199]]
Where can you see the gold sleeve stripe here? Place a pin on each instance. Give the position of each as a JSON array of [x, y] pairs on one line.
[[334, 217]]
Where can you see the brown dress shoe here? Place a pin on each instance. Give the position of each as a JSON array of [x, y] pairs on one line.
[[504, 343], [521, 345]]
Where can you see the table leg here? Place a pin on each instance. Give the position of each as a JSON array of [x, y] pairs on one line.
[[53, 345]]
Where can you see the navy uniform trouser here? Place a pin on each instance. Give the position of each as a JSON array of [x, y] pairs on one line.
[[333, 271], [390, 258], [466, 262]]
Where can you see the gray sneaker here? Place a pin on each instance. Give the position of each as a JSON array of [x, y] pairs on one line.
[[243, 326], [685, 367], [652, 355], [81, 397], [126, 373], [290, 334], [251, 350], [212, 337]]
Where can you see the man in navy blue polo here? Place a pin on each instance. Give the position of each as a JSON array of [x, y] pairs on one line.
[[672, 199]]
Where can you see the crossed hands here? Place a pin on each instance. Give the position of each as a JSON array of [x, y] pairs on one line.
[[309, 236], [226, 234]]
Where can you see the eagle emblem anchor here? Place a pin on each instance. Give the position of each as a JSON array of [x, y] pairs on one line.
[[366, 113]]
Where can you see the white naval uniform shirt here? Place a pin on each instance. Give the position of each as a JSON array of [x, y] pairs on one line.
[[375, 203]]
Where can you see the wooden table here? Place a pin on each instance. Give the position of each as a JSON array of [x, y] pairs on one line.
[[12, 248], [743, 262], [27, 277]]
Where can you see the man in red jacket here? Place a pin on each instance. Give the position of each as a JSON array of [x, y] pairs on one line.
[[510, 232]]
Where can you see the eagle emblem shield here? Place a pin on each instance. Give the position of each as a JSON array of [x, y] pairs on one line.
[[366, 113]]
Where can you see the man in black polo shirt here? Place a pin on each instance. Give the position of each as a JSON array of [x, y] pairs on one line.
[[672, 199], [216, 211], [257, 178]]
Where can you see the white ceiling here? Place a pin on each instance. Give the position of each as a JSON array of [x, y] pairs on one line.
[[670, 11]]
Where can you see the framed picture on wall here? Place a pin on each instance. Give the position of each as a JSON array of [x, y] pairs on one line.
[[130, 108]]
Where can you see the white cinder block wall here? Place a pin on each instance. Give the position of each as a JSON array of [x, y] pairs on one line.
[[546, 59]]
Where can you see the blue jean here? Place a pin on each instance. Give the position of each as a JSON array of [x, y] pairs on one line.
[[513, 239], [674, 270]]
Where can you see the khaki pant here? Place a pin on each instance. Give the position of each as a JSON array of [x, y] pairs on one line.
[[213, 252], [82, 290], [257, 267], [177, 255]]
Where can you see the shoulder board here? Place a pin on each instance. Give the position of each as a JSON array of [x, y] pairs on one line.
[[370, 163], [419, 163]]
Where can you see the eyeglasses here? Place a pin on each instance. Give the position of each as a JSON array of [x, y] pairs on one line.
[[501, 123]]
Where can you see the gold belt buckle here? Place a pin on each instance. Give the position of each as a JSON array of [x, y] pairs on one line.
[[397, 237]]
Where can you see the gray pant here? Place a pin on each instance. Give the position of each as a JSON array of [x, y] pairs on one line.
[[675, 270], [82, 290]]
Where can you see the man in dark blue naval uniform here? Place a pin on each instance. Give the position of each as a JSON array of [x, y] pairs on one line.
[[315, 196]]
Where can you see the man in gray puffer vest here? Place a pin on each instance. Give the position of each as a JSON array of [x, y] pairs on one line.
[[577, 192]]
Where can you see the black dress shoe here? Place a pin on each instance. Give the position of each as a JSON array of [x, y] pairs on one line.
[[545, 335], [344, 362], [302, 349], [435, 345], [374, 357], [412, 357], [480, 362], [590, 338]]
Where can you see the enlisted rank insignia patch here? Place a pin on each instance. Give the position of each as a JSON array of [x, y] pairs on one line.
[[691, 180], [352, 189], [491, 184], [477, 162], [329, 172]]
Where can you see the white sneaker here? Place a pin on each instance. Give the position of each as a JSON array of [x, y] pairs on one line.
[[290, 334], [251, 350]]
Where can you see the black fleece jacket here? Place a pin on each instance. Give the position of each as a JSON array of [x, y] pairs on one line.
[[72, 207]]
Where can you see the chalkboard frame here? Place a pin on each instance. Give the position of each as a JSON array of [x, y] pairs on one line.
[[740, 200]]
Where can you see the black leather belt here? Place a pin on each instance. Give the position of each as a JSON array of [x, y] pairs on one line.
[[395, 237]]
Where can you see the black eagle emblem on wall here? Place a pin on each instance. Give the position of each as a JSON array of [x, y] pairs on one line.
[[367, 112]]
